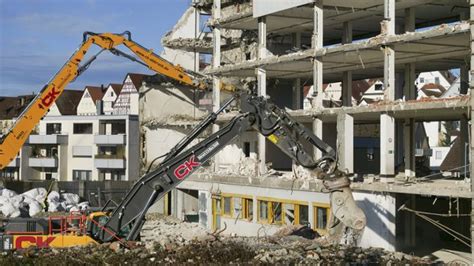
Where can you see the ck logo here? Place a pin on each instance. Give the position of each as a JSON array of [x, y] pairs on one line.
[[33, 240], [50, 97], [186, 168]]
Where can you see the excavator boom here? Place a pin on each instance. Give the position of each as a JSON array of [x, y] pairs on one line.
[[11, 143]]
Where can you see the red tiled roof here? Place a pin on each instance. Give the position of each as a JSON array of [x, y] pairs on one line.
[[68, 101], [433, 89], [96, 93], [137, 79], [11, 107], [454, 158], [116, 87]]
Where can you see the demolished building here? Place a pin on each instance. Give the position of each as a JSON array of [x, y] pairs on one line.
[[253, 188]]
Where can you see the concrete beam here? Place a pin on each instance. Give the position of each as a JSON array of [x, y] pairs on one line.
[[359, 48], [345, 142], [436, 187]]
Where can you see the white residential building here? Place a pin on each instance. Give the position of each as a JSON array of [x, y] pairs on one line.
[[90, 147]]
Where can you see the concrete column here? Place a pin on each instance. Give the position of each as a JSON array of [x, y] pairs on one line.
[[216, 58], [318, 131], [464, 76], [297, 89], [409, 147], [216, 62], [410, 19], [387, 122], [197, 31], [409, 92], [389, 16], [317, 43], [346, 32], [410, 223], [297, 95], [347, 88], [387, 146], [347, 75], [262, 88], [464, 138], [345, 142], [471, 86]]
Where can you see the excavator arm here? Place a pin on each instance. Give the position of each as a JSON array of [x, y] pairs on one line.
[[10, 143], [261, 115]]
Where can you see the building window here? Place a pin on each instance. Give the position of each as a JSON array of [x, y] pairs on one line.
[[114, 175], [86, 94], [437, 80], [439, 155], [247, 209], [270, 212], [83, 128], [262, 210], [82, 175], [378, 87], [53, 128], [276, 212], [321, 214], [422, 80], [303, 214], [227, 206], [296, 213], [247, 149]]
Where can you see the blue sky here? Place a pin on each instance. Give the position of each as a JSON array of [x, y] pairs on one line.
[[37, 38]]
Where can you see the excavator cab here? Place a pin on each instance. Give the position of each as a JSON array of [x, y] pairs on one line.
[[94, 222]]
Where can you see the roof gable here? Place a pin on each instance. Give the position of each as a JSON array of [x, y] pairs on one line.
[[96, 93]]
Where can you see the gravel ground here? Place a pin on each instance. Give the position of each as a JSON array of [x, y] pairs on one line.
[[166, 240]]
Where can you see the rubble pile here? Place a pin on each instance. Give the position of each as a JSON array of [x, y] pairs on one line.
[[34, 201], [167, 240]]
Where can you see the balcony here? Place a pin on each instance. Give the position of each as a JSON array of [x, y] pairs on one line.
[[82, 151], [15, 162], [109, 162], [118, 139], [50, 162], [48, 139]]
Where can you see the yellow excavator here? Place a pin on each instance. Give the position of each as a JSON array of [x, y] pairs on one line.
[[11, 143]]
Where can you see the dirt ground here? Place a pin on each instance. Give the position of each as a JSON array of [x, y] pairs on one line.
[[166, 240]]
